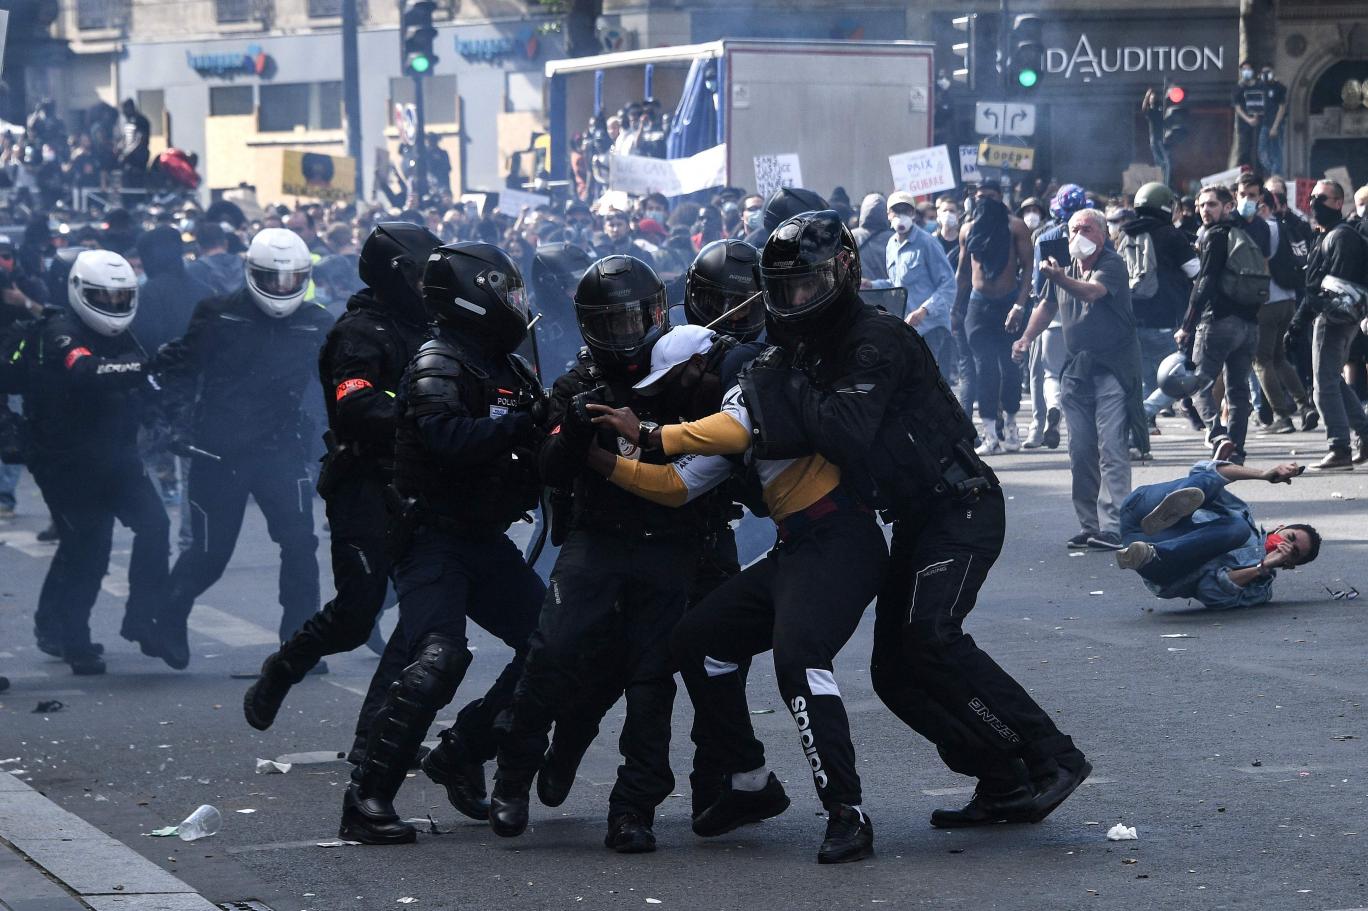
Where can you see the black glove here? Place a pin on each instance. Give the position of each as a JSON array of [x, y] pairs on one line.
[[1292, 338], [577, 427], [180, 444]]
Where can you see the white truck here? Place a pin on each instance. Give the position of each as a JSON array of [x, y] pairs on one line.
[[842, 107]]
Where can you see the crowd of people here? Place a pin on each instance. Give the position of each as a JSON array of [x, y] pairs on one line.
[[196, 356]]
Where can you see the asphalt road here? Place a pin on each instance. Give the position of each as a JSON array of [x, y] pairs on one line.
[[1233, 742]]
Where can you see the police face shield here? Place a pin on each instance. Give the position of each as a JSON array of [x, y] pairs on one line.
[[109, 301], [797, 291], [515, 298], [275, 283], [624, 326], [727, 311]]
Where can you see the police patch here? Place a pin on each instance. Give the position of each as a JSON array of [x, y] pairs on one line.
[[866, 355]]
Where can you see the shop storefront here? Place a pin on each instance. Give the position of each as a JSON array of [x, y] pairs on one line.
[[1322, 56], [239, 101], [1097, 70]]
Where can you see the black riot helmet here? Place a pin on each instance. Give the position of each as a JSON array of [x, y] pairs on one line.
[[477, 290], [786, 202], [621, 308], [392, 262], [721, 279], [556, 272], [810, 273]]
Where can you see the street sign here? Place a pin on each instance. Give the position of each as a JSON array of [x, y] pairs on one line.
[[1013, 158], [1004, 118]]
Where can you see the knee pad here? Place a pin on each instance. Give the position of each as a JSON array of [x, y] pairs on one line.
[[431, 680]]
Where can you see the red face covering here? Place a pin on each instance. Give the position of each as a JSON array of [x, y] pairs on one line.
[[1271, 542]]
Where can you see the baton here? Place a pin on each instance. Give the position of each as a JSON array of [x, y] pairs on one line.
[[741, 306], [203, 454]]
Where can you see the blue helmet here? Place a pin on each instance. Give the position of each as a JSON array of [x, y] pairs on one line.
[[1068, 199]]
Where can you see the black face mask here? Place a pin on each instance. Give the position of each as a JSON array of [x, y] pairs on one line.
[[1326, 216]]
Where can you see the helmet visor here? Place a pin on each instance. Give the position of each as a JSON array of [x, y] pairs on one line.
[[277, 283], [625, 326], [516, 298], [728, 312], [793, 293], [109, 301]]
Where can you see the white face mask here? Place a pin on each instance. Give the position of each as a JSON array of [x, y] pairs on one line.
[[1246, 74], [948, 220], [902, 223], [1248, 207], [1032, 220], [657, 214], [1080, 247]]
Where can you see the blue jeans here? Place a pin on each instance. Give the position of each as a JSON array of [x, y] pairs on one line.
[[1270, 150], [1183, 548], [9, 481]]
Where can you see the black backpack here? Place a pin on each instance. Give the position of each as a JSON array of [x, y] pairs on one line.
[[1287, 265]]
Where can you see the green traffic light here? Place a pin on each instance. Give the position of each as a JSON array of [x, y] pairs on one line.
[[1028, 78], [421, 64]]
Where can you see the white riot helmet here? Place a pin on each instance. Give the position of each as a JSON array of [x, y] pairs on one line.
[[103, 291], [1174, 377], [278, 269]]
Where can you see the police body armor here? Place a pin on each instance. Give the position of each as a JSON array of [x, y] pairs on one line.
[[924, 449], [595, 502], [397, 342], [489, 497]]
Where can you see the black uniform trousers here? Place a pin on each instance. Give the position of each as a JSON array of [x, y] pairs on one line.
[[604, 632], [445, 579], [804, 600], [361, 569], [931, 673], [85, 499], [277, 479]]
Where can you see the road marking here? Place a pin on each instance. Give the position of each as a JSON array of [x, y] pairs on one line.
[[355, 690], [228, 629], [26, 542]]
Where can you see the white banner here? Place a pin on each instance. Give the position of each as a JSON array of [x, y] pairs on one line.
[[1225, 178], [969, 172], [775, 171], [640, 175], [923, 172], [511, 202]]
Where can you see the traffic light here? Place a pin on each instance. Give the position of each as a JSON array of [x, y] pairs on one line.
[[1175, 116], [976, 51], [1026, 62], [416, 36]]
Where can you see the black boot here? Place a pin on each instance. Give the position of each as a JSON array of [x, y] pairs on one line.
[[508, 805], [1054, 784], [263, 699], [85, 661], [986, 807], [734, 808], [557, 774], [173, 642], [372, 820], [630, 833], [142, 630], [849, 836], [397, 731], [451, 766]]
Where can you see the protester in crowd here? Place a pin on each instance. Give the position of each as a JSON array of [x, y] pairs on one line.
[[215, 266], [1336, 278], [1192, 538], [133, 153], [1102, 363], [993, 286], [872, 235], [1270, 128], [1282, 388], [1220, 330], [915, 261]]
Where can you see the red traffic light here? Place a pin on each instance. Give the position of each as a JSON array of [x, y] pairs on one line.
[[1176, 94]]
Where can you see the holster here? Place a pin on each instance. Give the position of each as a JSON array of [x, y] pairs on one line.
[[404, 518], [560, 504]]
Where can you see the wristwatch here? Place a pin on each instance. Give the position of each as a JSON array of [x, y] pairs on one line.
[[644, 431]]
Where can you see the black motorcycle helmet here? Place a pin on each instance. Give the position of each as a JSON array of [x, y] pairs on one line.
[[810, 273], [477, 290], [556, 272], [392, 262], [786, 202], [722, 277], [621, 309]]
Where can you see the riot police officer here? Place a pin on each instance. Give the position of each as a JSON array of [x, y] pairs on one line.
[[237, 384], [363, 357], [84, 400], [865, 393], [618, 587], [470, 420]]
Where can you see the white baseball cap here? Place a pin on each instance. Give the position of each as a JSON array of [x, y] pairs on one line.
[[674, 348]]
